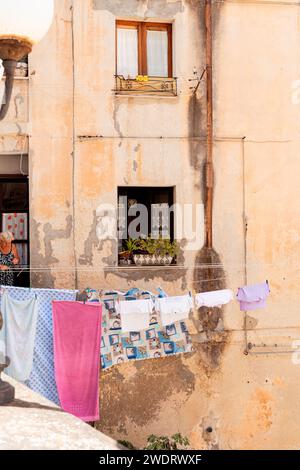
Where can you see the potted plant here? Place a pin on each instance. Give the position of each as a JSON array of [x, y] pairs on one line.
[[126, 256], [160, 252]]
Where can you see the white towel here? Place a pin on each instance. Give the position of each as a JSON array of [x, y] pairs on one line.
[[18, 334], [214, 298], [173, 309], [135, 314]]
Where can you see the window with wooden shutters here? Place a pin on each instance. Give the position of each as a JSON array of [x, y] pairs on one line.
[[144, 49]]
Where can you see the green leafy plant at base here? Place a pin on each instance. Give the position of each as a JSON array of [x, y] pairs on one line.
[[175, 442]]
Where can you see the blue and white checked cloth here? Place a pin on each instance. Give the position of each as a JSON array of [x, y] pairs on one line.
[[42, 378]]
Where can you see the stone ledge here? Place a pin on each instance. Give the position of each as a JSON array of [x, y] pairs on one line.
[[31, 422]]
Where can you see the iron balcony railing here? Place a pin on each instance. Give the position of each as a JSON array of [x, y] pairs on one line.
[[146, 85]]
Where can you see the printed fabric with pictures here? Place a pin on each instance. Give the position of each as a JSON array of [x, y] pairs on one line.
[[118, 346]]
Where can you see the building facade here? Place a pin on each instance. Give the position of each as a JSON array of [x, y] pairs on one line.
[[83, 131]]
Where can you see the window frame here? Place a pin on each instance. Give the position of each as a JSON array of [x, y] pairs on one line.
[[142, 28], [146, 195]]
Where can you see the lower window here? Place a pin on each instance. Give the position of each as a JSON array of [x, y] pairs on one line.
[[146, 226]]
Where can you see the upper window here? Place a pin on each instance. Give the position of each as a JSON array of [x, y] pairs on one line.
[[144, 49]]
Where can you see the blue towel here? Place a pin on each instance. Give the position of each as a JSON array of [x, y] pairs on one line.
[[42, 379]]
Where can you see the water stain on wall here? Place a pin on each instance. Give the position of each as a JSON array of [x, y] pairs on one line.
[[136, 393]]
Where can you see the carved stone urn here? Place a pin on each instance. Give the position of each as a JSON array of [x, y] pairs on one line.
[[7, 392]]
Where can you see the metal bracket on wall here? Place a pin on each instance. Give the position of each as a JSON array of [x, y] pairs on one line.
[[197, 79]]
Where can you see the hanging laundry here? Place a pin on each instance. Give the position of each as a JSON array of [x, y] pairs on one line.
[[214, 298], [18, 334], [42, 378], [173, 309], [135, 314], [154, 342], [253, 297], [77, 335]]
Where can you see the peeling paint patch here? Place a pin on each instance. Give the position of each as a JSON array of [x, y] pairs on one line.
[[91, 242], [116, 122], [138, 397], [18, 101], [51, 235], [118, 7], [45, 278], [251, 322], [149, 8], [209, 432], [164, 8]]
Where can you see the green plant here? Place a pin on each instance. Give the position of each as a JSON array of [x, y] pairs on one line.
[[176, 442], [131, 245], [160, 246], [168, 248], [148, 244]]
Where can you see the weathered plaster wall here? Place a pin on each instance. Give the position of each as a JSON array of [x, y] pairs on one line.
[[51, 155], [217, 396], [146, 141]]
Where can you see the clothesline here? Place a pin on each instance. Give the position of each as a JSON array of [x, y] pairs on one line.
[[124, 326], [132, 266]]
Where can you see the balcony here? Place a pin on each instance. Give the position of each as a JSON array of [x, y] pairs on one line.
[[146, 86]]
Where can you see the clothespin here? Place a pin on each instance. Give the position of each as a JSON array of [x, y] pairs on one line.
[[132, 292], [161, 293]]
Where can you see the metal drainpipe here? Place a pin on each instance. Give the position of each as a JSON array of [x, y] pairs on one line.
[[209, 155]]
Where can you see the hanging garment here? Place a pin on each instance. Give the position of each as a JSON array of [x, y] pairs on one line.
[[77, 335], [18, 335], [135, 314], [253, 297], [173, 309], [214, 298], [118, 347], [42, 378]]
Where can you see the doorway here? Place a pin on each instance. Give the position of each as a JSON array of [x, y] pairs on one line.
[[14, 218]]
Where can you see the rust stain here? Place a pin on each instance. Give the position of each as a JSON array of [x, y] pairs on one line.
[[259, 413], [264, 413]]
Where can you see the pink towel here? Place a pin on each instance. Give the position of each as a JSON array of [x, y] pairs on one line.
[[77, 335]]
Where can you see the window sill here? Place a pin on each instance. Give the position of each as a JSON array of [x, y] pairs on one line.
[[133, 267], [124, 94], [16, 77]]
